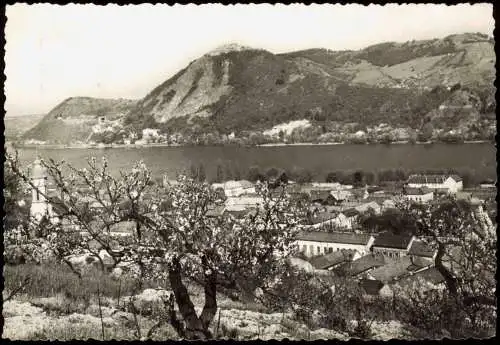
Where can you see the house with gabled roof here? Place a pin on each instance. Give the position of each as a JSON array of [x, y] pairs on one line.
[[421, 281], [398, 269], [312, 243], [362, 265], [453, 183], [339, 196], [420, 195], [327, 262], [319, 217], [352, 216], [236, 188], [391, 245], [328, 220]]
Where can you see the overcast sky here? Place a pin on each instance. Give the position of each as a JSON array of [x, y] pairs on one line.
[[55, 52]]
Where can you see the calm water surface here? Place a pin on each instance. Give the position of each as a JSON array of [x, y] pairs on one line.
[[478, 158]]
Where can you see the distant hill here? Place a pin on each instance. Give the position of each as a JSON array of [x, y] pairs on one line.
[[72, 120], [443, 83], [397, 83], [16, 126]]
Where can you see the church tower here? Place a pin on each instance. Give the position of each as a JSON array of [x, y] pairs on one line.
[[39, 204], [365, 194]]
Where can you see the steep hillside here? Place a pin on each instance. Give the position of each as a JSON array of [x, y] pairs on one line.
[[238, 89], [16, 126], [468, 59], [433, 86], [253, 90], [73, 119]]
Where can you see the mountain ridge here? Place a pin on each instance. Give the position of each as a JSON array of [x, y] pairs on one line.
[[241, 89]]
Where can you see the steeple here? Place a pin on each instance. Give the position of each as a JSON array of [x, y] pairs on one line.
[[365, 194], [39, 203]]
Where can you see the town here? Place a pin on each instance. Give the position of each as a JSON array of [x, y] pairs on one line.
[[249, 172], [340, 235]]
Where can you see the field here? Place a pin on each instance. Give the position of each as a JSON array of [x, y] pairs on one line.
[[56, 305]]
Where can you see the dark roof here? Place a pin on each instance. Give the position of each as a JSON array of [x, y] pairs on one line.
[[430, 275], [432, 178], [441, 190], [398, 268], [370, 286], [332, 259], [388, 240], [417, 191], [420, 248], [350, 212], [364, 263], [334, 237]]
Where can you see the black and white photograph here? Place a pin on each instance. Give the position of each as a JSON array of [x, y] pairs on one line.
[[249, 171]]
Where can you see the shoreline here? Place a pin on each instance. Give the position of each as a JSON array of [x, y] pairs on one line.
[[133, 146]]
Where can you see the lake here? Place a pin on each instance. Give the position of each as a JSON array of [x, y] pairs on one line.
[[477, 158]]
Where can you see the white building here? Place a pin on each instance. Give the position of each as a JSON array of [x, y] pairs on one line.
[[340, 221], [392, 246], [327, 185], [313, 243], [245, 201], [388, 204], [149, 133], [487, 184], [236, 188], [420, 195], [452, 183]]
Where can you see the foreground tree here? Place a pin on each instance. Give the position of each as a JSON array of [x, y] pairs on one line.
[[14, 204], [465, 256], [173, 239]]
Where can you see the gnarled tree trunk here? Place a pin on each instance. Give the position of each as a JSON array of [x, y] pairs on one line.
[[450, 280], [195, 327]]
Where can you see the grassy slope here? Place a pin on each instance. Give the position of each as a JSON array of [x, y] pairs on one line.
[[73, 118], [18, 125], [55, 305]]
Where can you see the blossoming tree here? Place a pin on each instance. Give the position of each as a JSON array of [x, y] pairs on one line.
[[174, 237], [465, 256]]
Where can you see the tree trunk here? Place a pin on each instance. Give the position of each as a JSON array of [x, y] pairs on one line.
[[210, 307], [450, 280], [194, 326]]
